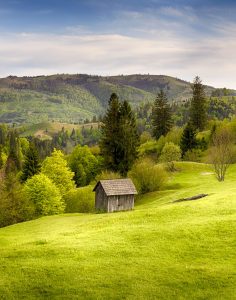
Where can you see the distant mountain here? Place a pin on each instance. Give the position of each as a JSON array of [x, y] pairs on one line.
[[73, 98]]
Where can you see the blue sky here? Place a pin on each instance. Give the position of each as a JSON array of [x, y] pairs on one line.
[[179, 38]]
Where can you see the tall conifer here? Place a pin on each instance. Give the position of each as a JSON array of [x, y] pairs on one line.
[[119, 136], [31, 164], [13, 163], [110, 134], [129, 138], [161, 116], [198, 112]]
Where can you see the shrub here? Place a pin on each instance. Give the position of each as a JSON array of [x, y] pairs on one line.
[[174, 135], [169, 154], [148, 177], [106, 174], [194, 155], [145, 137], [80, 200], [44, 194]]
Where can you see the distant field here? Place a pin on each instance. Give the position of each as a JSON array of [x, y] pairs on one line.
[[45, 130], [161, 250]]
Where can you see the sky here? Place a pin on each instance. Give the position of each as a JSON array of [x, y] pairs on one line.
[[180, 38]]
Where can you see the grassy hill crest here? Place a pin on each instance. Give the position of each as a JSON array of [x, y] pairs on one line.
[[161, 250], [74, 98]]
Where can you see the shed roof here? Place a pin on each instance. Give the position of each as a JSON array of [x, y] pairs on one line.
[[115, 187]]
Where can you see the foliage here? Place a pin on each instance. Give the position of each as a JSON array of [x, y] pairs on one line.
[[198, 110], [80, 200], [148, 177], [84, 165], [221, 152], [15, 207], [44, 194], [188, 139], [31, 165], [106, 174], [1, 157], [161, 116], [120, 139], [129, 139], [194, 155], [56, 168], [13, 163], [145, 137], [169, 154]]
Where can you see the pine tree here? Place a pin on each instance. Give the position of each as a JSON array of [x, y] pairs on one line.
[[161, 116], [119, 136], [198, 112], [109, 143], [129, 139], [1, 160], [31, 164], [188, 139], [13, 163]]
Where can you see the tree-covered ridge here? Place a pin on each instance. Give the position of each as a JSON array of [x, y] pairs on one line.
[[74, 98]]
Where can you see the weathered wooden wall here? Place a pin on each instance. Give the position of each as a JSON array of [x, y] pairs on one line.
[[121, 202], [100, 199]]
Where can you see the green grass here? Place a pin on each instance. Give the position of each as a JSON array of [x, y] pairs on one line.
[[161, 250]]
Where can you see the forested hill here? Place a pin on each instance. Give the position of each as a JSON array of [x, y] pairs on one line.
[[73, 98]]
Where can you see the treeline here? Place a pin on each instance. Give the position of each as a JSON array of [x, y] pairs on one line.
[[217, 107], [36, 182], [44, 177]]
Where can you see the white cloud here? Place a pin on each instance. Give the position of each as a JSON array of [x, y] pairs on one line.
[[110, 54]]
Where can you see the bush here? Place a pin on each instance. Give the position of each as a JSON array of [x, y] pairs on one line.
[[145, 137], [194, 155], [80, 200], [44, 194], [169, 154], [105, 175], [148, 177], [174, 135]]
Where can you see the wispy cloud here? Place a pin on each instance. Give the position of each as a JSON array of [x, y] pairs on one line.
[[177, 40], [118, 54]]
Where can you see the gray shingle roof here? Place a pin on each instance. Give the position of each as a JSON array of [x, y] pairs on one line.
[[117, 187]]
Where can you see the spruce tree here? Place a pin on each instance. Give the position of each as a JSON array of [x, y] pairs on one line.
[[13, 163], [119, 136], [161, 116], [188, 139], [129, 139], [198, 112], [31, 164], [109, 143], [1, 160]]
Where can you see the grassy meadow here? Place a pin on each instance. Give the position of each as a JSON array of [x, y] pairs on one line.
[[161, 250]]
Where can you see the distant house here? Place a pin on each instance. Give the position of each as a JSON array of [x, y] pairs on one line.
[[114, 195]]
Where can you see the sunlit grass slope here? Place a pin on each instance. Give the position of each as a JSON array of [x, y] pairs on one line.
[[161, 250]]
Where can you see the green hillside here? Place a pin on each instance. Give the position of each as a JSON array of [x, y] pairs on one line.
[[161, 250], [74, 98]]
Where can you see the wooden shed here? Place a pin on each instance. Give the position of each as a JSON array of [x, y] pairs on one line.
[[114, 195]]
